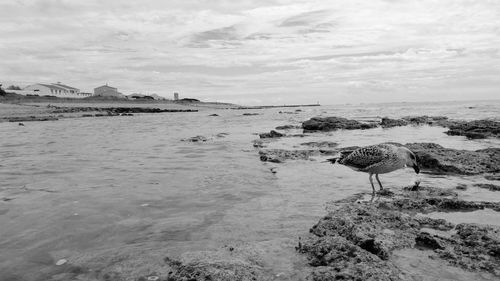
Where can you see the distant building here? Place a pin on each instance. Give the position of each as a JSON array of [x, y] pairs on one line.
[[55, 89], [107, 91], [176, 96]]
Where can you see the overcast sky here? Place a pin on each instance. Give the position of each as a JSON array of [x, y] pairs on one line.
[[258, 52]]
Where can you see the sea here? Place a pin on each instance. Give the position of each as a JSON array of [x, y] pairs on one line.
[[119, 194]]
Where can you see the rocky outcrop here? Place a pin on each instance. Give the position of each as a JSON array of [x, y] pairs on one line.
[[196, 139], [334, 123], [288, 127], [435, 158], [356, 240], [320, 144], [489, 186], [477, 129], [427, 120], [280, 155], [32, 118], [271, 134], [389, 123]]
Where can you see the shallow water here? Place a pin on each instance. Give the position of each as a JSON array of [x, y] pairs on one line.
[[90, 189]]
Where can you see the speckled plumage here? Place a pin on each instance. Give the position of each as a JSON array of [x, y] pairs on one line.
[[378, 159]]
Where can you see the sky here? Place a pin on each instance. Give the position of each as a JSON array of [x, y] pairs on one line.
[[258, 52]]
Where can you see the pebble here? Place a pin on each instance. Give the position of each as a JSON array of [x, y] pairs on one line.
[[61, 261]]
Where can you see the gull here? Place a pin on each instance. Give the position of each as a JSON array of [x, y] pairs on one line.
[[378, 159]]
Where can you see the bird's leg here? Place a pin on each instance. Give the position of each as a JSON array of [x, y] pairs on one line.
[[371, 181], [379, 183]]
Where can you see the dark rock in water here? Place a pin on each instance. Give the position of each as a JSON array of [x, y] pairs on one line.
[[250, 114], [32, 118], [356, 239], [438, 159], [489, 186], [461, 186], [280, 155], [213, 114], [477, 129], [287, 127], [271, 134], [323, 144], [215, 269], [492, 177], [389, 123], [196, 139], [429, 120], [334, 123], [258, 143]]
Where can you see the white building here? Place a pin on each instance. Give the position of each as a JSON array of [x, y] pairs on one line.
[[55, 89], [107, 91]]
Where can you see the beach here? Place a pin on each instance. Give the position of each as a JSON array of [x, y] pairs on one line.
[[208, 192]]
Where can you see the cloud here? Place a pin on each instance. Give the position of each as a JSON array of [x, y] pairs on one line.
[[275, 50]]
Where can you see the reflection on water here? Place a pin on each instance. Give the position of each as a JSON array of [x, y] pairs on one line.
[[90, 189]]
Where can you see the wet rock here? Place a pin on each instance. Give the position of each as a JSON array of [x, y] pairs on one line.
[[271, 134], [213, 114], [477, 129], [359, 236], [389, 123], [287, 127], [489, 186], [280, 155], [438, 159], [32, 118], [228, 266], [258, 143], [429, 120], [322, 144], [250, 114], [492, 177], [196, 139], [461, 186], [334, 123]]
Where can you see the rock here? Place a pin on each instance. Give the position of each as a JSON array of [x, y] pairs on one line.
[[196, 139], [429, 120], [477, 129], [280, 155], [438, 159], [220, 265], [271, 134], [258, 143], [61, 262], [355, 240], [389, 123], [492, 177], [287, 127], [213, 114], [334, 123], [250, 114], [461, 186], [489, 186], [322, 144], [32, 118]]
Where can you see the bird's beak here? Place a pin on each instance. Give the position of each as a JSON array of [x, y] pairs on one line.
[[416, 168]]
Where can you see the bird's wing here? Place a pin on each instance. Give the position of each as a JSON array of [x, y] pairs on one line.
[[366, 156]]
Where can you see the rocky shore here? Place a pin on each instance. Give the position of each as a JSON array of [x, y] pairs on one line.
[[358, 238], [477, 129]]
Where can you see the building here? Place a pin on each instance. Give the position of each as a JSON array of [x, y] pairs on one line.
[[108, 91], [55, 89], [176, 96]]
